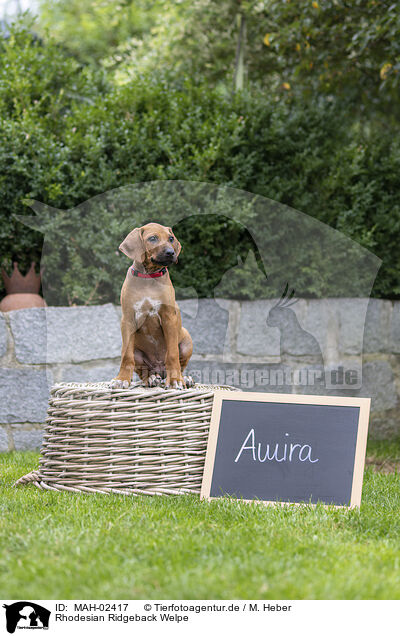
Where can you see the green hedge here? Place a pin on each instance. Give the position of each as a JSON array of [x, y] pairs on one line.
[[66, 137]]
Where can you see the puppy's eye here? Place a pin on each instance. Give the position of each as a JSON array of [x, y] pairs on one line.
[[153, 239], [171, 239]]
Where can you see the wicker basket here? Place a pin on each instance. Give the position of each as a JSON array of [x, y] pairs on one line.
[[129, 441]]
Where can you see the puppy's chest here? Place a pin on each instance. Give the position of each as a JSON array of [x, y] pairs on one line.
[[146, 308]]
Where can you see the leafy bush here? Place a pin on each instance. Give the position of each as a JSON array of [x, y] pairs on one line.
[[38, 86], [66, 137]]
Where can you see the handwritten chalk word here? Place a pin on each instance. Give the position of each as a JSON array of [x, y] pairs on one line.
[[288, 452]]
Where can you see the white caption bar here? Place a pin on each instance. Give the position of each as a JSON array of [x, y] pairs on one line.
[[191, 617]]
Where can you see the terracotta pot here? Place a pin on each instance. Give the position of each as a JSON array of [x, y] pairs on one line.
[[21, 301], [22, 291]]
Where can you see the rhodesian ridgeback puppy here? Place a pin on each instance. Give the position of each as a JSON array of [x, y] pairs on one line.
[[154, 343]]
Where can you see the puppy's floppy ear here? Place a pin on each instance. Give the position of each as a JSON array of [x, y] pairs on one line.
[[133, 246], [178, 247]]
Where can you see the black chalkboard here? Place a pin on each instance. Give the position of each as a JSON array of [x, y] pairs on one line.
[[286, 448]]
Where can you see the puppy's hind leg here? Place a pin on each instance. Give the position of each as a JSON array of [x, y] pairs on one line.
[[185, 353], [151, 375]]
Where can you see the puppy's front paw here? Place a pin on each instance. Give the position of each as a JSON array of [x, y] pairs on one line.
[[154, 380], [119, 384], [175, 384], [189, 382]]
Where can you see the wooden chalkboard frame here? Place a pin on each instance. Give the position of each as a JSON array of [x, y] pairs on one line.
[[324, 400]]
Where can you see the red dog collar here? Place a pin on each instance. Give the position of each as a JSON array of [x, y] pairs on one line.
[[161, 272]]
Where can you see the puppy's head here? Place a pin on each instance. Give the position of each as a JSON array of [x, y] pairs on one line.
[[153, 245]]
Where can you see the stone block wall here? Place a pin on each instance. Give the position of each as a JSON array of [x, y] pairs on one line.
[[237, 343]]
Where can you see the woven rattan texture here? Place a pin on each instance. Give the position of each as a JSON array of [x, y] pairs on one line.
[[130, 441]]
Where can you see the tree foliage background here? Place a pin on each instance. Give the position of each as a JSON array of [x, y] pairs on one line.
[[330, 48], [95, 95]]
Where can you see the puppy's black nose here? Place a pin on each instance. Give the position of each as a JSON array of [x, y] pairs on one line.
[[169, 252]]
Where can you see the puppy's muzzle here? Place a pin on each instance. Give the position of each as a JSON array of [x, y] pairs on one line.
[[166, 257]]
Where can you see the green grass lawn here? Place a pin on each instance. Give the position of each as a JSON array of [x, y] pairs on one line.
[[62, 545]]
